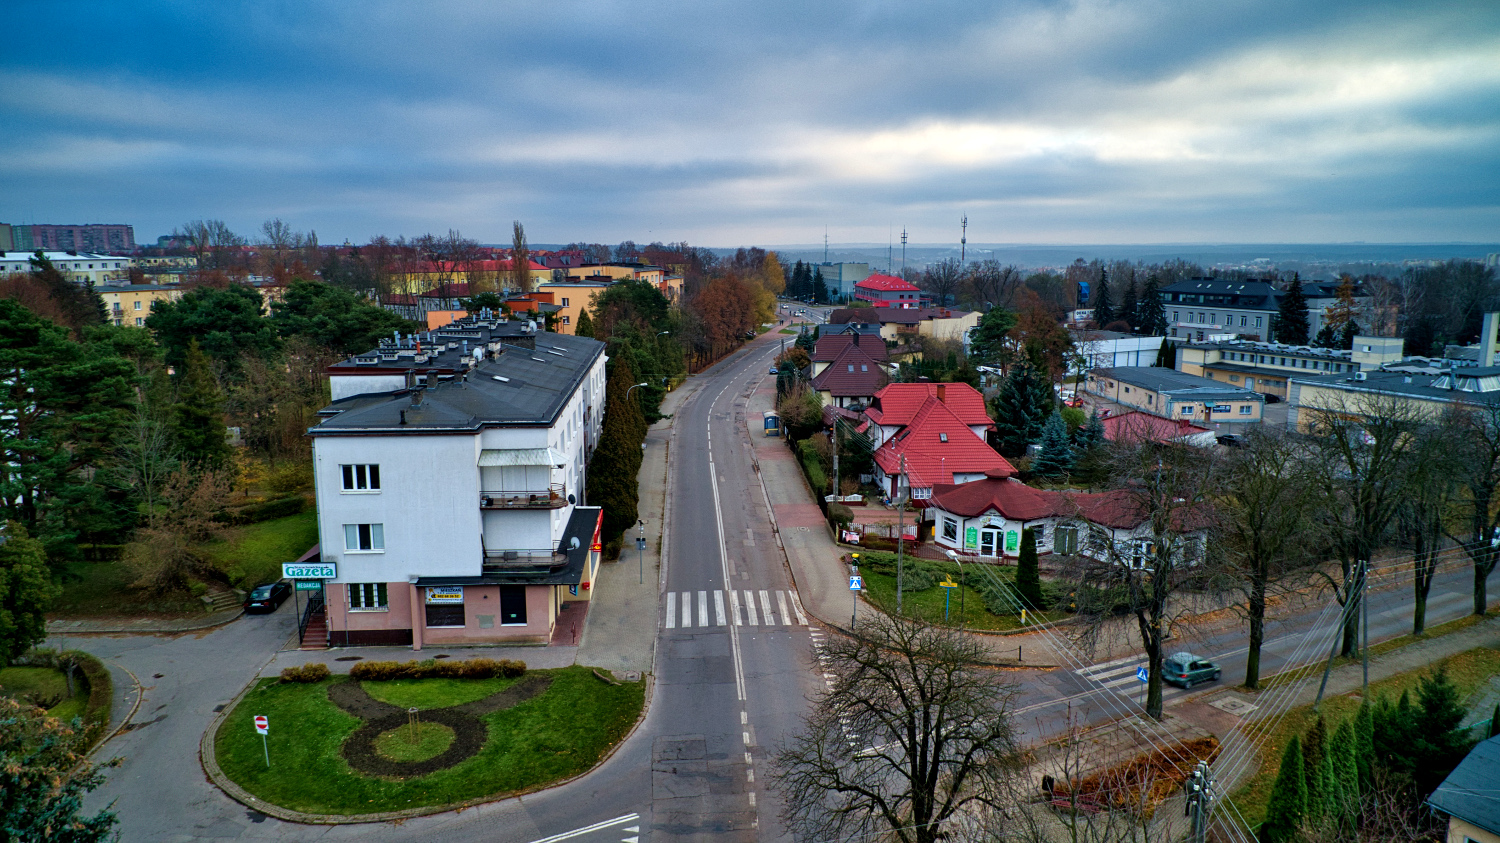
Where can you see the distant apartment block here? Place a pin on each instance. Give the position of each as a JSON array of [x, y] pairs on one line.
[[80, 266], [91, 237]]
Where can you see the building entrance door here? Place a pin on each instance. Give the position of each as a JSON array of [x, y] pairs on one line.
[[989, 542]]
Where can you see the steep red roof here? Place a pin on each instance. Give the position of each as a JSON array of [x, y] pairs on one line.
[[888, 284], [897, 404], [852, 374], [830, 346], [937, 443]]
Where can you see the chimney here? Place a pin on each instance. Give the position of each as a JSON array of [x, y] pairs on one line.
[[856, 338], [1487, 339], [942, 393]]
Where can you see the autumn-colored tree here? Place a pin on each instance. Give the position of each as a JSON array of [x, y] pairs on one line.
[[520, 260]]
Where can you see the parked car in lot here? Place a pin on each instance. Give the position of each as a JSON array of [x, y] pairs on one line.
[[1231, 440], [266, 598], [1187, 670]]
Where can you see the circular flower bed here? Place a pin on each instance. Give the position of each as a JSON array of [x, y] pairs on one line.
[[469, 733], [414, 741]]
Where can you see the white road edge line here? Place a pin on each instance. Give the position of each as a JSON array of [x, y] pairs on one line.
[[577, 832]]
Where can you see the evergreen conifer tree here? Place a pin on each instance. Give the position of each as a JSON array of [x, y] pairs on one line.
[[1104, 311], [1152, 313], [1129, 306], [1288, 802], [1341, 756], [585, 326], [1291, 316], [1364, 746], [1056, 457], [617, 460], [1314, 758], [1028, 572], [1021, 408], [1347, 334], [198, 416], [819, 288]]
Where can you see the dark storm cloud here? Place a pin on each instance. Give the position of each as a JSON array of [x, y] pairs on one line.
[[728, 123]]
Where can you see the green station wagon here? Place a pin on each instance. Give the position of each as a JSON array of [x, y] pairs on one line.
[[1187, 670]]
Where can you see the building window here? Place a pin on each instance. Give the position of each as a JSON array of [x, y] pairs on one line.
[[1243, 319], [444, 606], [1244, 409], [1257, 321], [950, 529], [1065, 539], [567, 320], [1234, 378], [512, 605], [1187, 410], [367, 597], [1176, 317], [565, 301], [364, 538], [138, 307], [1039, 532], [361, 478], [139, 322]]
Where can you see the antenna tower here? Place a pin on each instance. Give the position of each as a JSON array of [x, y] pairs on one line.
[[825, 244], [963, 241], [903, 250]]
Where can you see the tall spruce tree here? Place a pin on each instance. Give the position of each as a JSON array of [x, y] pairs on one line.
[[1028, 572], [585, 326], [1020, 408], [198, 416], [1151, 311], [1364, 746], [1130, 306], [819, 288], [1314, 758], [1056, 457], [1291, 315], [616, 465], [1342, 749], [1104, 311], [1288, 802]]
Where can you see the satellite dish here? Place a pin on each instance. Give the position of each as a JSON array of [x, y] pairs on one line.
[[572, 499], [573, 543]]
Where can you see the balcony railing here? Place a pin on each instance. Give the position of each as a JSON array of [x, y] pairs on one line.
[[523, 560], [551, 497]]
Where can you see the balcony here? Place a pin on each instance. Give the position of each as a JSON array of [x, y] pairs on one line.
[[552, 497], [538, 561]]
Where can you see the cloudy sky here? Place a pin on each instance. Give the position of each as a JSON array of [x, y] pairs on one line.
[[761, 122]]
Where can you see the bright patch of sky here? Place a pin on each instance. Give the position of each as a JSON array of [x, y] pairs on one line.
[[736, 123]]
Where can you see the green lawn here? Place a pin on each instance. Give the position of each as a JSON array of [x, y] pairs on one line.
[[1468, 670], [46, 683], [966, 604], [561, 733], [416, 742], [253, 554], [787, 331], [94, 589]]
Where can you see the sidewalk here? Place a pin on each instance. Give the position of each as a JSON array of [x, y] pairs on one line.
[[140, 626]]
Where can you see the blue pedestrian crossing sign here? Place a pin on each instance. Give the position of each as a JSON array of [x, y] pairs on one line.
[[856, 583], [1140, 673]]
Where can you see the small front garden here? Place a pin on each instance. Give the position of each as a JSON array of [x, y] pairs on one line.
[[985, 598], [352, 745]]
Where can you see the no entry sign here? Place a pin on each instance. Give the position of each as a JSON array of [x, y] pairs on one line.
[[262, 724]]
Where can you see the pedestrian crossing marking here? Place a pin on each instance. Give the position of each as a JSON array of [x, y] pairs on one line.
[[787, 609]]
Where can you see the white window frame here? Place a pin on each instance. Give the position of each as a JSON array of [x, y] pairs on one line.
[[950, 529], [359, 478], [358, 535], [1245, 410], [368, 597]]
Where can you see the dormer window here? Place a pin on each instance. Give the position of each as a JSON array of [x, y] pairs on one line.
[[942, 437]]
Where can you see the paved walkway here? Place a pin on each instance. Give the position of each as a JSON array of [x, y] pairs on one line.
[[139, 626]]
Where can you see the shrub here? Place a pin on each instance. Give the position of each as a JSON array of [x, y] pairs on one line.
[[840, 514], [290, 477], [812, 464], [308, 673], [475, 668]]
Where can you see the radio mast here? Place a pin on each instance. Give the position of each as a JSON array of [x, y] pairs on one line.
[[903, 250], [963, 241]]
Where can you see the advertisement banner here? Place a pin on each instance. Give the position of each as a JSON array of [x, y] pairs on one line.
[[445, 594]]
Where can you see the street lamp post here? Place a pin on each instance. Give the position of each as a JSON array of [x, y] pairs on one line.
[[640, 552]]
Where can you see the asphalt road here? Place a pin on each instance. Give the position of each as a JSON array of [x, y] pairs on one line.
[[725, 692]]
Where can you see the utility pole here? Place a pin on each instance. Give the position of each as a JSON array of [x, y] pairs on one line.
[[1364, 610], [903, 250], [1199, 788], [836, 458], [901, 523], [1357, 592]]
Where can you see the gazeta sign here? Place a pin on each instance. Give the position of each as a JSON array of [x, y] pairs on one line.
[[314, 571]]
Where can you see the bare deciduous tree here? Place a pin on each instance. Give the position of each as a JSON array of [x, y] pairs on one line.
[[1477, 437], [941, 280], [910, 742], [1167, 488], [990, 283], [1359, 469]]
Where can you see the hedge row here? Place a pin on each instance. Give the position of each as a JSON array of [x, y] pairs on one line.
[[263, 511], [308, 673], [92, 673], [477, 668]]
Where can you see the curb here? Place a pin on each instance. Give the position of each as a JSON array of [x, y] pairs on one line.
[[208, 624], [209, 761], [140, 693]]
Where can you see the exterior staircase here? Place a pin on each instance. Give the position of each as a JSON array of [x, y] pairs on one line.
[[315, 634], [220, 599]]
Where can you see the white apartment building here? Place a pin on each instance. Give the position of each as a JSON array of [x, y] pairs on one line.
[[451, 505], [80, 266]]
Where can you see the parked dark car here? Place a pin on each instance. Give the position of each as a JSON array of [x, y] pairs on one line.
[[266, 598], [1231, 440], [1187, 670]]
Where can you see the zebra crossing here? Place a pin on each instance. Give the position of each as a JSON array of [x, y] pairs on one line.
[[1119, 676], [720, 607]]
